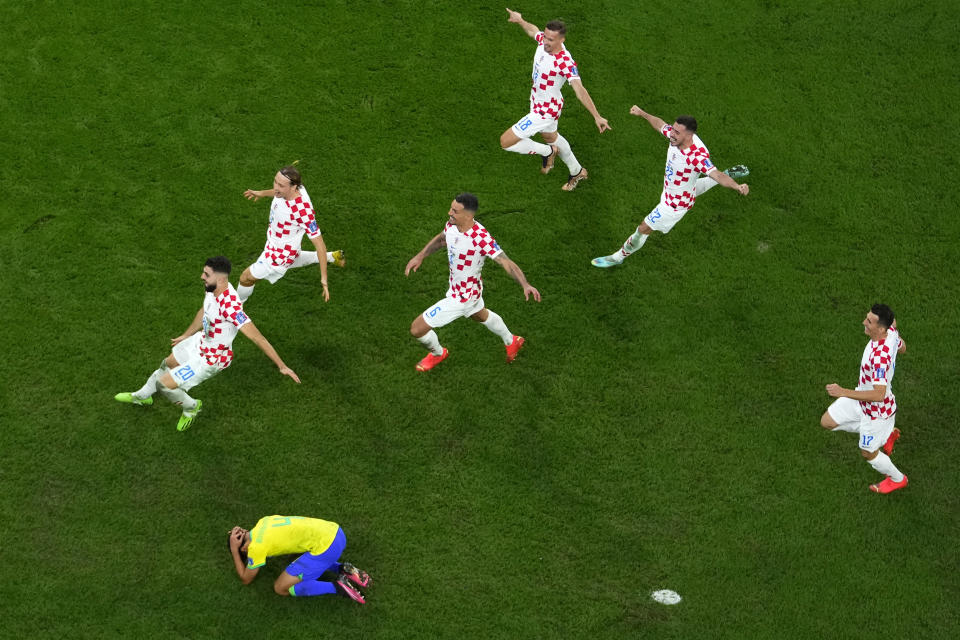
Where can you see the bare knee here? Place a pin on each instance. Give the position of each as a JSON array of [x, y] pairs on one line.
[[508, 139], [827, 421], [246, 279], [171, 362], [419, 328], [549, 137], [869, 455], [280, 590]]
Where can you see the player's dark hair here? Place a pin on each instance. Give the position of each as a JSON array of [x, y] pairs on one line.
[[558, 26], [469, 201], [689, 122], [884, 314], [290, 173], [219, 264]]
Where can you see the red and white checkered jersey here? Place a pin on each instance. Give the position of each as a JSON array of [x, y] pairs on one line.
[[466, 253], [683, 169], [222, 318], [876, 367], [550, 72], [289, 220]]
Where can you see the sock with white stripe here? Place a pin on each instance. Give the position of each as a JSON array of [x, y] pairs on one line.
[[633, 243], [150, 387], [179, 397], [244, 292]]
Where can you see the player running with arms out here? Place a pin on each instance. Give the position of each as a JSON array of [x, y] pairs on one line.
[[204, 349], [552, 67], [687, 158], [870, 409], [321, 544], [468, 245], [291, 216]]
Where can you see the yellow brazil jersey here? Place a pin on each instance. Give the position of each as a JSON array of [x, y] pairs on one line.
[[280, 535]]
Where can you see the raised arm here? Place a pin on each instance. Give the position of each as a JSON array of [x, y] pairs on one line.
[[433, 246], [587, 101], [655, 122], [530, 29], [250, 330], [511, 267], [192, 329]]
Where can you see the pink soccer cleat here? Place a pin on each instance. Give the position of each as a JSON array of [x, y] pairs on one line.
[[346, 589], [430, 361], [888, 485], [358, 577], [892, 440], [514, 348]]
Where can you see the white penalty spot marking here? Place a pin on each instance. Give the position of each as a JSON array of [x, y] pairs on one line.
[[666, 596]]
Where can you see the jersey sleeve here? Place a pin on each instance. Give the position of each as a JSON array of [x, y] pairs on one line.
[[567, 67], [880, 365], [701, 162], [487, 245], [665, 130], [539, 37], [256, 556], [232, 309], [303, 216]]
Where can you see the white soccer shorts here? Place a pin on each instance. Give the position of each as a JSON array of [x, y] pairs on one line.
[[534, 123], [664, 217], [873, 433], [447, 310], [193, 367]]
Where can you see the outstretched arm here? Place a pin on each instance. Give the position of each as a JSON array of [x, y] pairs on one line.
[[250, 330], [530, 29], [192, 329], [728, 182], [587, 102], [511, 267], [655, 122], [251, 194], [433, 246], [321, 248]]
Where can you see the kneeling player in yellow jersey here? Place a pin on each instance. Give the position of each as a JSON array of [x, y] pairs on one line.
[[321, 544]]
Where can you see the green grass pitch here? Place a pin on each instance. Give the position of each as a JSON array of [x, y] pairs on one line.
[[660, 430]]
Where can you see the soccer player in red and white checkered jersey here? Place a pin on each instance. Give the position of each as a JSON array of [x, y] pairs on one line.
[[687, 158], [291, 216], [870, 409], [204, 349], [552, 67], [468, 245]]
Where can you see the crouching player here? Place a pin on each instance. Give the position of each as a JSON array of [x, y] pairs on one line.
[[321, 543], [204, 349]]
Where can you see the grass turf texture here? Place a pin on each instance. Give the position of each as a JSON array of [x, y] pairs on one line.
[[660, 428]]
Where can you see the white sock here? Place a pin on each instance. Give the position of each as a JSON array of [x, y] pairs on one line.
[[244, 292], [431, 342], [633, 244], [566, 154], [705, 184], [305, 258], [530, 147], [496, 324], [179, 397], [883, 464], [150, 387]]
